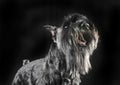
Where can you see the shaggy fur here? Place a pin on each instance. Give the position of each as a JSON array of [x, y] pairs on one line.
[[73, 43]]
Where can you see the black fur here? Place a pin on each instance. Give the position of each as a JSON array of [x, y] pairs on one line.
[[73, 43]]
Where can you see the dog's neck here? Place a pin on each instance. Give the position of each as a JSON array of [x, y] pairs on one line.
[[57, 62], [57, 59]]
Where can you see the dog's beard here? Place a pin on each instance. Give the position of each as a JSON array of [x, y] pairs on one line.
[[77, 57]]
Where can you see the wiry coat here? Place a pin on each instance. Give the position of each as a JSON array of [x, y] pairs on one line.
[[73, 43]]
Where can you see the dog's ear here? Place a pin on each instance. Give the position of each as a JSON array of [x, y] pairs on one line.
[[52, 30]]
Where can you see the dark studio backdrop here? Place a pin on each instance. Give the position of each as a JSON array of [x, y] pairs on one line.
[[23, 37]]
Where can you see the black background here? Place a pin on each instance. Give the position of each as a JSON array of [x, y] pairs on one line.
[[22, 35]]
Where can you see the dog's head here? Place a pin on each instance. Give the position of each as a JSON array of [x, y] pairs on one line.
[[77, 38]]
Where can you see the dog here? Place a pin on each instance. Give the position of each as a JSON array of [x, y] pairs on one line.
[[68, 57]]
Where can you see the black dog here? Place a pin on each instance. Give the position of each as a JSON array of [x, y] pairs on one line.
[[73, 43]]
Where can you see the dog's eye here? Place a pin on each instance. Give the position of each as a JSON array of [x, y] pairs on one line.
[[65, 27]]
